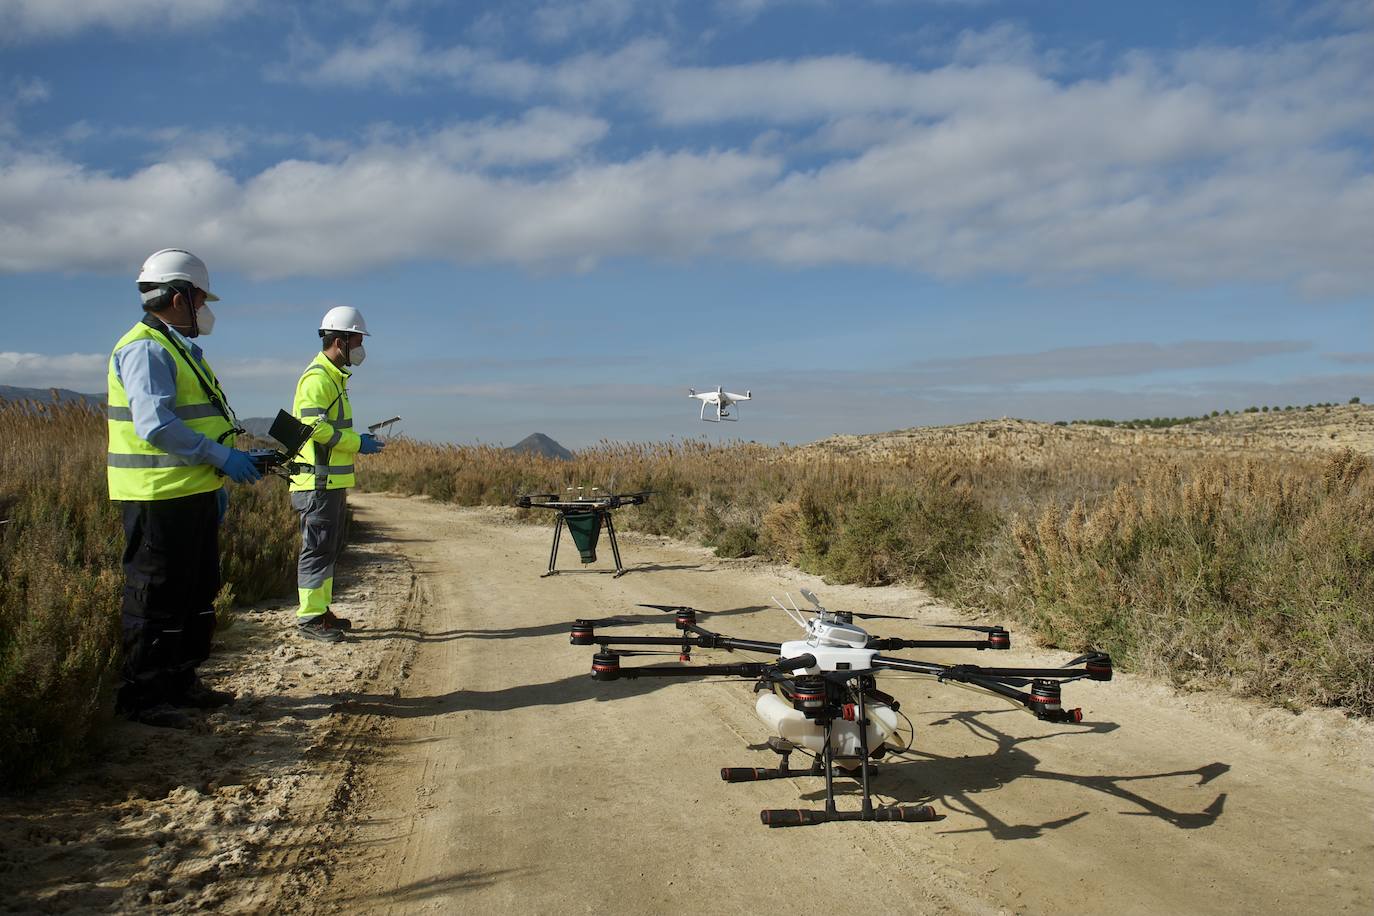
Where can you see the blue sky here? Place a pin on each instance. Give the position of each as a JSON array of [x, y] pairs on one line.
[[558, 216]]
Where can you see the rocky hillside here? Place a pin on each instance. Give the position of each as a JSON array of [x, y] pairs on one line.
[[1300, 430]]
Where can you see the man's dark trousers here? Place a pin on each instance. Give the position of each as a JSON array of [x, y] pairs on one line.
[[171, 578]]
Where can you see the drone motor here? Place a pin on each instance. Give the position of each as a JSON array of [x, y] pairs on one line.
[[605, 666], [1045, 702]]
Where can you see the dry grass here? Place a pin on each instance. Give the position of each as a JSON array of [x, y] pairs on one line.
[[1251, 574], [60, 579]]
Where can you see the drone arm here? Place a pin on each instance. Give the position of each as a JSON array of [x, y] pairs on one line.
[[1042, 699], [585, 635], [896, 643], [744, 669]]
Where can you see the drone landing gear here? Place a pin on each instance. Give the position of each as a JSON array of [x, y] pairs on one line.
[[610, 531], [784, 750], [824, 765]]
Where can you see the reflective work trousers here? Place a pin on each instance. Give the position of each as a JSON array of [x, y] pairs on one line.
[[171, 577], [322, 515]]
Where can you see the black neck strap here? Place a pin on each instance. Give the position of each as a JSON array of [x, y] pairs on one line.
[[211, 389]]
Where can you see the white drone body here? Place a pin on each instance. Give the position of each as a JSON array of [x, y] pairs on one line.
[[723, 401], [836, 646]]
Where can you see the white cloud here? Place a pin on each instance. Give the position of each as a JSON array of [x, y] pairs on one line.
[[76, 371], [1211, 165], [541, 135], [30, 91], [556, 22], [28, 19]]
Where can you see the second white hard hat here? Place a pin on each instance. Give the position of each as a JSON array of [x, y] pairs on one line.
[[172, 264], [344, 318]]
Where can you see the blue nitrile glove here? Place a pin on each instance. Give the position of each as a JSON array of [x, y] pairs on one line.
[[239, 467], [221, 504], [371, 445]]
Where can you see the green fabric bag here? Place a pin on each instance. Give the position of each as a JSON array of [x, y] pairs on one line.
[[586, 529]]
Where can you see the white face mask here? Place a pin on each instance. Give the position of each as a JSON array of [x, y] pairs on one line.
[[205, 321], [356, 355]]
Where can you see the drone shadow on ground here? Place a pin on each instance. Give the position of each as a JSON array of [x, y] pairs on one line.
[[652, 567], [558, 628], [573, 689], [954, 781]]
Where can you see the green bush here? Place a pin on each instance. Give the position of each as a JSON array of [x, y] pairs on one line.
[[739, 540], [60, 579]]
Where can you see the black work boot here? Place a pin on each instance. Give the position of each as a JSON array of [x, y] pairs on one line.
[[319, 628], [163, 715], [198, 695], [342, 623]]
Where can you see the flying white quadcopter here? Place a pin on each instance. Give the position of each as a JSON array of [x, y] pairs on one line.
[[723, 400]]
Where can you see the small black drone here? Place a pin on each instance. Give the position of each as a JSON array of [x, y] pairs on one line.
[[820, 696], [584, 516]]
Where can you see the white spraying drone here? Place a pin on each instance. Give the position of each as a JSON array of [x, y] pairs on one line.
[[723, 400]]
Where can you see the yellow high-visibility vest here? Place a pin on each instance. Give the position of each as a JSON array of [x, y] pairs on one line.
[[322, 402], [136, 469]]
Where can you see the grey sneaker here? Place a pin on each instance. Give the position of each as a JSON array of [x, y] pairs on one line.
[[319, 628]]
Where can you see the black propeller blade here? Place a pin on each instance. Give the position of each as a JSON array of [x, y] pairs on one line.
[[877, 616], [976, 628], [672, 608]]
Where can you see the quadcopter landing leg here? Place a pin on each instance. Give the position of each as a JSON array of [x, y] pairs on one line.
[[553, 554], [803, 817], [615, 547], [783, 770]]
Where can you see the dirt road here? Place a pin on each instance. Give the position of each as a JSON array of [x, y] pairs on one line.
[[511, 782], [455, 757]]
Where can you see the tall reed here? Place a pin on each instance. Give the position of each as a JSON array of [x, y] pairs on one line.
[[1256, 575]]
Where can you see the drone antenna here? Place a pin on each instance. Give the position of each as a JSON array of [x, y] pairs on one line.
[[794, 612]]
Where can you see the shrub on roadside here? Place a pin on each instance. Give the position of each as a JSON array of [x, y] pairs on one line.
[[1255, 576], [60, 579]]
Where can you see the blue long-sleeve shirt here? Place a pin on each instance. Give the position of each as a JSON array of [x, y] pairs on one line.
[[149, 376]]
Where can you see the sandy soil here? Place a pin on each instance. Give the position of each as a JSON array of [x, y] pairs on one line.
[[456, 757], [241, 813], [515, 783]]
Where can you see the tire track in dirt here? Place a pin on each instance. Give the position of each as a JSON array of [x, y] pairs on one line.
[[301, 857]]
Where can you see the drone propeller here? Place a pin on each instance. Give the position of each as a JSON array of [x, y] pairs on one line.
[[671, 608], [972, 627], [878, 616]]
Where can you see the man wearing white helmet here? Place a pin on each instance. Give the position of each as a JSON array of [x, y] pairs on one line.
[[320, 494], [171, 443]]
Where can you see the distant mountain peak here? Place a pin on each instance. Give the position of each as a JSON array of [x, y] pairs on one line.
[[49, 395], [540, 444]]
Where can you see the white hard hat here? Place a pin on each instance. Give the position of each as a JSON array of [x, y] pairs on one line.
[[344, 318], [172, 264]]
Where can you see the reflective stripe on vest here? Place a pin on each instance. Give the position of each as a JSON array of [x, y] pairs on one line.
[[136, 469]]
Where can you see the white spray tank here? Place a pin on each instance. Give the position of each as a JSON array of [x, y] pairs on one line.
[[790, 725], [837, 645]]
